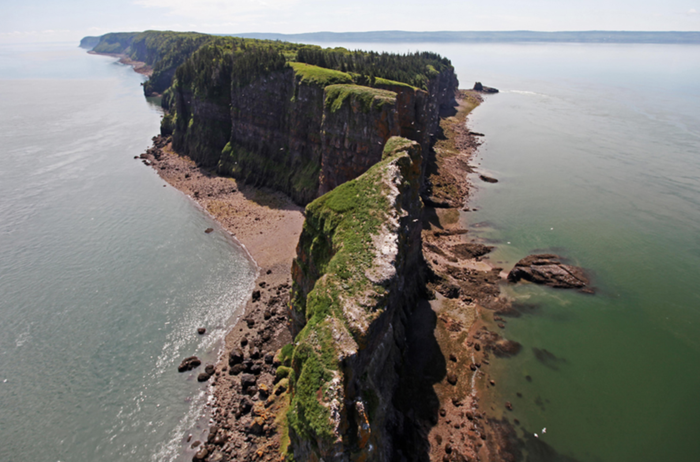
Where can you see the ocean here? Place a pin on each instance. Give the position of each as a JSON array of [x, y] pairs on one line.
[[105, 274], [597, 151]]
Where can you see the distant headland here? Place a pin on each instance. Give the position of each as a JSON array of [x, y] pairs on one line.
[[594, 36]]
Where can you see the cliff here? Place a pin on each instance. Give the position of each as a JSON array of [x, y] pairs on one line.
[[350, 134], [357, 274], [303, 129], [296, 118]]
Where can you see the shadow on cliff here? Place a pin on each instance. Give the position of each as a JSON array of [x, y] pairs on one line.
[[424, 366], [431, 219]]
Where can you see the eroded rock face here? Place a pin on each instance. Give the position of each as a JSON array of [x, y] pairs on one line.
[[546, 269], [350, 300], [279, 131]]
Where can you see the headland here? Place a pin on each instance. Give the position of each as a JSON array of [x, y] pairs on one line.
[[365, 337]]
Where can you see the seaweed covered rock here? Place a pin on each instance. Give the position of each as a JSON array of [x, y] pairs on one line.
[[546, 269], [356, 277]]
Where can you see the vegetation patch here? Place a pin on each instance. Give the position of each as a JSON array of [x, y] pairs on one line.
[[367, 98], [320, 76], [336, 249], [379, 82]]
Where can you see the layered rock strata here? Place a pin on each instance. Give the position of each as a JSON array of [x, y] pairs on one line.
[[305, 136]]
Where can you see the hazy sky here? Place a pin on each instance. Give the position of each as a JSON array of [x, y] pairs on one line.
[[44, 20]]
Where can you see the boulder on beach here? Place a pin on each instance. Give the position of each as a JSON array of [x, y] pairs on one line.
[[188, 364], [546, 269]]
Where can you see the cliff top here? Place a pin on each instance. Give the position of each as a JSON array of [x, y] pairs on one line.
[[351, 238], [165, 51]]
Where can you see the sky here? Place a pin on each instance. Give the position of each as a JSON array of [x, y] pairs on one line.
[[70, 20]]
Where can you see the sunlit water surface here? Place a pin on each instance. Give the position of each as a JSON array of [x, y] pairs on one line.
[[105, 274]]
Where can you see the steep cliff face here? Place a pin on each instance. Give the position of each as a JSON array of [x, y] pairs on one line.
[[307, 130], [275, 134], [297, 118], [356, 276], [357, 121], [201, 96]]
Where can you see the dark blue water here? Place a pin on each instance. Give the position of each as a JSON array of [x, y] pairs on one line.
[[104, 273]]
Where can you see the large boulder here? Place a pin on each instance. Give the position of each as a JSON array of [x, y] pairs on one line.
[[188, 364], [484, 89], [546, 269]]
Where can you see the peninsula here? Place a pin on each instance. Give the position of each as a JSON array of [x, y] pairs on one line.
[[366, 338]]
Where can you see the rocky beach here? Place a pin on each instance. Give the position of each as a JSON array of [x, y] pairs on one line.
[[371, 328], [449, 334]]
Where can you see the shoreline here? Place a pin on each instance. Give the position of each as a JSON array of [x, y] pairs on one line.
[[267, 224], [466, 305], [139, 66]]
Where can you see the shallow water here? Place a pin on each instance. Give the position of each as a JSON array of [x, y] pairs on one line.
[[104, 273], [601, 163], [597, 152]]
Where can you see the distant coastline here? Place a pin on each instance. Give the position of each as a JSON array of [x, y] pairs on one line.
[[647, 37]]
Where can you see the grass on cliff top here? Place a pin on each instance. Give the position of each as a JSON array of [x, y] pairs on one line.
[[368, 98], [349, 216], [320, 76], [380, 81]]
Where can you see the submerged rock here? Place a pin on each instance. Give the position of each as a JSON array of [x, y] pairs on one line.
[[546, 269], [488, 179]]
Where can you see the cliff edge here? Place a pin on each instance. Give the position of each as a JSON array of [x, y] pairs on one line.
[[358, 270]]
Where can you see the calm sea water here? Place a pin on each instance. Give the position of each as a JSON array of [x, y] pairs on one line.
[[597, 149], [104, 273]]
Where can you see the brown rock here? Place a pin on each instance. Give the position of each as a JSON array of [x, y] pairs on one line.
[[201, 455], [188, 364], [452, 378], [236, 356], [546, 269]]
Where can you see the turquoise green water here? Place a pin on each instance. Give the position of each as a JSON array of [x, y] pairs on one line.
[[597, 149], [602, 166], [104, 273]]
